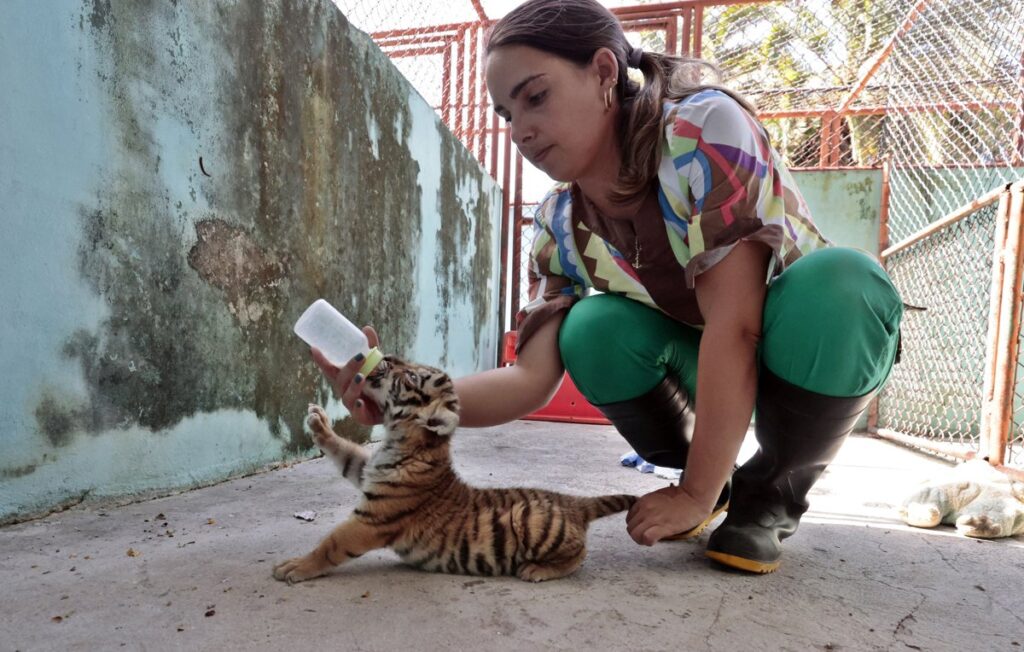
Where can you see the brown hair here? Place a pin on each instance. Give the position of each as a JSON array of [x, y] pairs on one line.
[[574, 30]]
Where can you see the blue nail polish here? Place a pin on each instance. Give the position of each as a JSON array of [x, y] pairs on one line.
[[359, 357], [358, 379]]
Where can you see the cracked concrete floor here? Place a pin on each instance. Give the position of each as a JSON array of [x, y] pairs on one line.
[[192, 571]]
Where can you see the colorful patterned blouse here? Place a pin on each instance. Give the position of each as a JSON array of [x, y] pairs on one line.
[[720, 182]]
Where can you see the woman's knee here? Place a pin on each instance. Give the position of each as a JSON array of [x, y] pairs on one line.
[[831, 323], [837, 280], [587, 325]]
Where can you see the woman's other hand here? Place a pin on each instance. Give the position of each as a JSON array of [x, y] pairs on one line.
[[348, 382]]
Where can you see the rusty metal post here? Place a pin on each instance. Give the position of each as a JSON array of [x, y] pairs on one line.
[[446, 85], [883, 244], [883, 211], [687, 46], [481, 82], [672, 36], [989, 404], [698, 30], [1009, 330], [460, 85], [826, 139], [517, 233], [495, 135], [505, 225], [472, 84]]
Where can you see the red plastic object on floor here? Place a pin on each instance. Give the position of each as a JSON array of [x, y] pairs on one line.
[[567, 405]]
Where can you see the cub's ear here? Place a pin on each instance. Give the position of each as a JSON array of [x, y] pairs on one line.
[[440, 417]]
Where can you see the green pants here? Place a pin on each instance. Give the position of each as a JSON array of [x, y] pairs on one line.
[[831, 326]]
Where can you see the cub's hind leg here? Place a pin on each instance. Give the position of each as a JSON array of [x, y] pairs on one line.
[[347, 456], [347, 541], [559, 553], [553, 568]]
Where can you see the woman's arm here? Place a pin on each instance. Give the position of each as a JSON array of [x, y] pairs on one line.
[[731, 297], [501, 395]]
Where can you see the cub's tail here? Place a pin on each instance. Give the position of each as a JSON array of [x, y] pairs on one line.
[[601, 506]]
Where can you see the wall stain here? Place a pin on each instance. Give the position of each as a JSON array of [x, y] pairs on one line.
[[56, 421], [99, 15], [457, 275], [202, 296], [863, 191], [17, 472]]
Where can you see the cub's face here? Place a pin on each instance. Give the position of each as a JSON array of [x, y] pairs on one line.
[[413, 395]]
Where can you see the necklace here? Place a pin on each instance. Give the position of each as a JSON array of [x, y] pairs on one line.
[[637, 248]]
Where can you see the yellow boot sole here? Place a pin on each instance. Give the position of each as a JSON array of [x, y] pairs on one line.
[[743, 564], [700, 527]]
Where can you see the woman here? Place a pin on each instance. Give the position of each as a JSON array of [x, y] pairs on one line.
[[718, 292]]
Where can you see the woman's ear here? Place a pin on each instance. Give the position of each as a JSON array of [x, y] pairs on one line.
[[606, 66]]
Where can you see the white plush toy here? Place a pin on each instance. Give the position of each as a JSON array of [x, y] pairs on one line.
[[978, 499]]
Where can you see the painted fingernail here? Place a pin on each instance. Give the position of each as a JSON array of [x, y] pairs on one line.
[[359, 357], [359, 403], [358, 379]]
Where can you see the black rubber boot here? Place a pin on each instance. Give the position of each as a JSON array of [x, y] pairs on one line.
[[799, 433], [659, 427]]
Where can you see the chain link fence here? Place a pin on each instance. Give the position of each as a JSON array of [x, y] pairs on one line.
[[931, 92], [935, 392]]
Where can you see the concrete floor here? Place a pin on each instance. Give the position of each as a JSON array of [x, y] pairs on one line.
[[853, 578]]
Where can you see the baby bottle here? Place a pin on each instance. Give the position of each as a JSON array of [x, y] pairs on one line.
[[323, 327]]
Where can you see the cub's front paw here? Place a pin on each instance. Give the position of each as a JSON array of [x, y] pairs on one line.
[[320, 426], [298, 569]]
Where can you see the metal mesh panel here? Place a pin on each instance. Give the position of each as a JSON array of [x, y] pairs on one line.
[[935, 391], [962, 62], [947, 93], [801, 61]]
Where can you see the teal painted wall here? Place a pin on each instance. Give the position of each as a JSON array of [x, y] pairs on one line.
[[147, 303], [845, 205]]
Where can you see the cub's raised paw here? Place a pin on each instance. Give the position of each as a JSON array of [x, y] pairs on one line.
[[320, 426], [298, 569]]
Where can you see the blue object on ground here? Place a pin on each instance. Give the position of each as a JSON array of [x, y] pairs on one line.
[[643, 466]]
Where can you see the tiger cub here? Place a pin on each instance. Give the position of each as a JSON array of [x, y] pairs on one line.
[[414, 503]]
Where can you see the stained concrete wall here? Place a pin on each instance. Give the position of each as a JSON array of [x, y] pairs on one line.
[[146, 302], [846, 205]]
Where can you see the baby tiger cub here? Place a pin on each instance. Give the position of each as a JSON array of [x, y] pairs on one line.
[[414, 503]]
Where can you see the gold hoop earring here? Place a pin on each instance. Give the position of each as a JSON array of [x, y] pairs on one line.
[[608, 98]]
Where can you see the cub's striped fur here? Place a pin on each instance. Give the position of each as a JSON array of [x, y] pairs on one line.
[[414, 503]]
